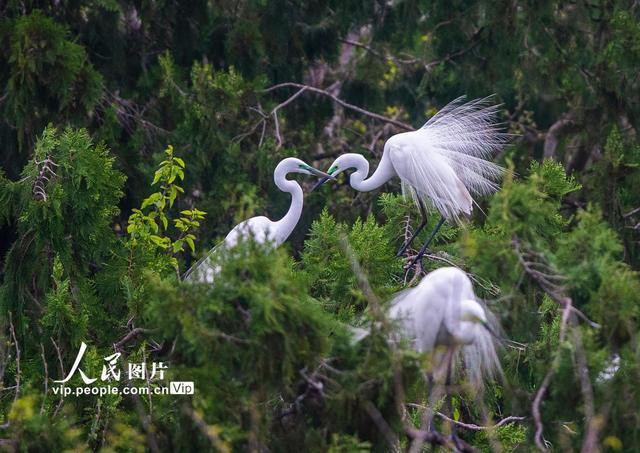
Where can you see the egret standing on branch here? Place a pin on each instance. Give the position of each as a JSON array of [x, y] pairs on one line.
[[442, 311], [261, 228], [441, 164]]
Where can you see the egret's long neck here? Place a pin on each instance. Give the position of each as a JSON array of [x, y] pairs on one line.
[[285, 225], [383, 173]]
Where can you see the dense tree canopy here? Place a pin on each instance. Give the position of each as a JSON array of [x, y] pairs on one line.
[[135, 135]]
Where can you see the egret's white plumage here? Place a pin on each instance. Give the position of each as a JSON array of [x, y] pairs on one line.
[[261, 229], [443, 163], [444, 311]]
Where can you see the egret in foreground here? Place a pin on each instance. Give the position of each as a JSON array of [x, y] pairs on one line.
[[442, 316], [442, 310], [262, 229], [441, 164]]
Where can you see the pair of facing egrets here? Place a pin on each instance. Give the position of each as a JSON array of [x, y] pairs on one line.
[[441, 165]]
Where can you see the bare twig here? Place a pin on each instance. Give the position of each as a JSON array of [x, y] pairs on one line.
[[46, 377], [344, 104], [119, 346], [428, 66], [18, 369], [62, 373], [535, 409], [632, 212], [383, 426], [565, 123], [472, 426], [46, 172]]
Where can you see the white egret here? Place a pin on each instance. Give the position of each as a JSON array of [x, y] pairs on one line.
[[442, 310], [261, 228], [441, 164], [442, 316]]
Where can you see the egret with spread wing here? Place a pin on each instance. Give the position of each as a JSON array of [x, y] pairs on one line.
[[262, 229], [442, 165]]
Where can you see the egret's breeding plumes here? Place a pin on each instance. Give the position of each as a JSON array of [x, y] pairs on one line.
[[441, 165], [444, 311], [262, 229], [442, 316]]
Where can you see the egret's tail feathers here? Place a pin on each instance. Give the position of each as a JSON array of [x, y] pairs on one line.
[[460, 139], [481, 360], [470, 128], [204, 270], [358, 334], [481, 357]]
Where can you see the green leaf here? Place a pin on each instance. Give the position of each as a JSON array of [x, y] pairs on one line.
[[189, 240], [151, 199], [177, 245], [157, 177]]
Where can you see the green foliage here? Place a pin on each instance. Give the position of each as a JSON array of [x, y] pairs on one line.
[[148, 229], [63, 206], [46, 72], [327, 262], [87, 258], [228, 334]]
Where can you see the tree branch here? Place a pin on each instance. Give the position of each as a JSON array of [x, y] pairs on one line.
[[344, 104], [566, 123], [119, 346]]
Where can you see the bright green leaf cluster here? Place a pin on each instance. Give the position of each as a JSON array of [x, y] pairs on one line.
[[149, 224]]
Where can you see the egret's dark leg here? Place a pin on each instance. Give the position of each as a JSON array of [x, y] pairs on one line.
[[423, 223], [454, 433], [426, 244], [430, 387]]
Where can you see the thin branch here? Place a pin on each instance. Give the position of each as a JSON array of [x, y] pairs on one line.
[[632, 212], [210, 432], [46, 377], [382, 425], [535, 409], [565, 124], [344, 104], [18, 369], [416, 61], [17, 346], [472, 426], [372, 51], [62, 373], [119, 346]]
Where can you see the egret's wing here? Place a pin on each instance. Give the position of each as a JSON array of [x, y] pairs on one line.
[[204, 269], [358, 334], [429, 176], [460, 138], [419, 314]]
